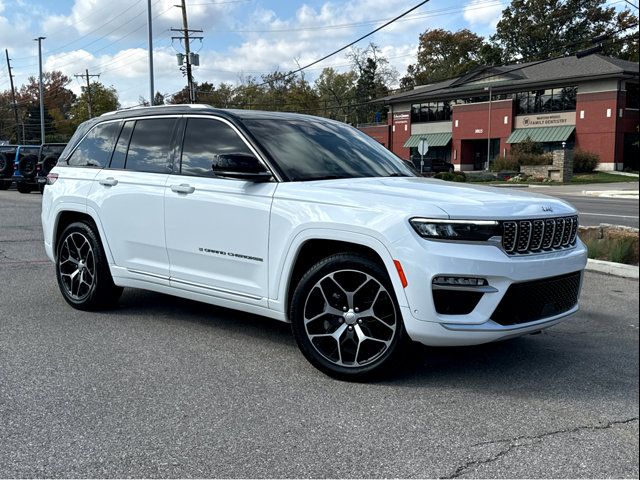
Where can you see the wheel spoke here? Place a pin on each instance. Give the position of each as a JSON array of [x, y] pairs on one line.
[[76, 265], [358, 340]]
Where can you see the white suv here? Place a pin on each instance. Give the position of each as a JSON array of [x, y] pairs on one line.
[[308, 221]]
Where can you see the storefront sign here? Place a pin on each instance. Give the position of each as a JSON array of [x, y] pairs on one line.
[[400, 118], [546, 120]]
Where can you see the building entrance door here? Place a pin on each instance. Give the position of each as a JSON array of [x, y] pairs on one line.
[[475, 152]]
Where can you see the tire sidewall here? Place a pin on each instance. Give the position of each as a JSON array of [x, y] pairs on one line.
[[89, 301], [308, 281]]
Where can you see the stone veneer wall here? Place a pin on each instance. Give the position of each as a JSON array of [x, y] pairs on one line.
[[561, 170]]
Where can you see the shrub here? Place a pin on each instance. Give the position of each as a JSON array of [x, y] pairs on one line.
[[481, 177], [533, 159], [526, 147], [503, 164], [451, 177], [622, 250], [585, 162]]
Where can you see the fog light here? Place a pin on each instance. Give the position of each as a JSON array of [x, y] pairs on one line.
[[460, 281]]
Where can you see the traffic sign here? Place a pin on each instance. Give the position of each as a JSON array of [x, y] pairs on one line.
[[423, 147]]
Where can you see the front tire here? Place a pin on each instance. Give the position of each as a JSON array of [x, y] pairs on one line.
[[345, 317], [82, 269]]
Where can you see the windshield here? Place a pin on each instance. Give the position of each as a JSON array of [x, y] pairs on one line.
[[317, 149]]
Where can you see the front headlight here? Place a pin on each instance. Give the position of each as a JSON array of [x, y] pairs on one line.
[[462, 230]]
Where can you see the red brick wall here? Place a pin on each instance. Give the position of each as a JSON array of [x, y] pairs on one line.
[[400, 133], [380, 133], [474, 117], [596, 132]]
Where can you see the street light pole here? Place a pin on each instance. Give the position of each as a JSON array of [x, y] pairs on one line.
[[39, 40]]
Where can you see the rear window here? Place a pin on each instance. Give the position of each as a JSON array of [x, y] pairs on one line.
[[150, 146], [95, 148]]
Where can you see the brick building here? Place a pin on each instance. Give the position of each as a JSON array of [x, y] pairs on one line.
[[589, 103]]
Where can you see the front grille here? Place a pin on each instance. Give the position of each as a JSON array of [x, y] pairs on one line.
[[521, 237], [538, 299]]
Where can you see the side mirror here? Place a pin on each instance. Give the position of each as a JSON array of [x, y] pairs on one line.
[[240, 166]]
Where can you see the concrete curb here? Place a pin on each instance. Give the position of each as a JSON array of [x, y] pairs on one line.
[[623, 174], [612, 268], [631, 194]]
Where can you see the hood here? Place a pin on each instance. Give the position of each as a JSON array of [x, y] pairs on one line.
[[424, 196]]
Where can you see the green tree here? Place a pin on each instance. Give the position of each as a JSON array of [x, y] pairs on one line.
[[335, 91], [58, 103], [537, 29], [158, 99], [374, 77], [444, 54], [103, 99]]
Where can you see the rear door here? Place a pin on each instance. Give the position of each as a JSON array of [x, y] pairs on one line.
[[217, 229], [129, 196], [79, 167]]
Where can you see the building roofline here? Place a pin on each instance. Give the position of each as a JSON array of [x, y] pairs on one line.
[[457, 86]]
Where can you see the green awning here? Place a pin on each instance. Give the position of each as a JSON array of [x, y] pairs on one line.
[[433, 139], [542, 134]]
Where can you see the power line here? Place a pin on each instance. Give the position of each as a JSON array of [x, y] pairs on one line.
[[293, 72]]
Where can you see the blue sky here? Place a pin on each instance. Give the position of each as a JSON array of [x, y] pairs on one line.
[[241, 37]]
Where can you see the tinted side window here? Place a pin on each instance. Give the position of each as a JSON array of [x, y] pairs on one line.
[[120, 152], [203, 140], [149, 149], [95, 149]]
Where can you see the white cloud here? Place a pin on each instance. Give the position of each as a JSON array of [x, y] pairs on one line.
[[483, 12]]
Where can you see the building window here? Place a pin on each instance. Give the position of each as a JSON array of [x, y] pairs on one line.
[[431, 112], [633, 95], [545, 101]]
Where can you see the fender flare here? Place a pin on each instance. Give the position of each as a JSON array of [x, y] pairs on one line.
[[283, 275]]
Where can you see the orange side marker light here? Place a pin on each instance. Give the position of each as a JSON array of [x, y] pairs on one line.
[[403, 278]]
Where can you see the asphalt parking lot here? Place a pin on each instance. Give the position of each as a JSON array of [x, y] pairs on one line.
[[163, 387]]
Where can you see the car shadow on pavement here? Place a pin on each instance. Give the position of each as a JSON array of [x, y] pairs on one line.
[[555, 363]]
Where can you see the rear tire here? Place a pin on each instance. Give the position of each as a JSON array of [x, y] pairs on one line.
[[82, 269], [5, 184], [345, 318]]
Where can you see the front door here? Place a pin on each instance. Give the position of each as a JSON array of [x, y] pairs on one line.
[[217, 229]]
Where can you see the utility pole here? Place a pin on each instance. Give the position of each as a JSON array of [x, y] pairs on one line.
[[39, 40], [187, 37], [150, 28], [13, 96], [87, 76]]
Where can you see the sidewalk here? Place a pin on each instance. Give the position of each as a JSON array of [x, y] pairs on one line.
[[620, 190]]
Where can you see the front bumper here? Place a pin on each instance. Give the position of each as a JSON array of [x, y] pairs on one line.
[[429, 259]]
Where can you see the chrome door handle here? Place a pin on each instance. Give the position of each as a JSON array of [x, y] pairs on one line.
[[108, 182], [183, 188]]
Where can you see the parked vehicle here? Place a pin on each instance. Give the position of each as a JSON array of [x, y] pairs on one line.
[[432, 164], [305, 220], [47, 159], [7, 160], [25, 168]]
